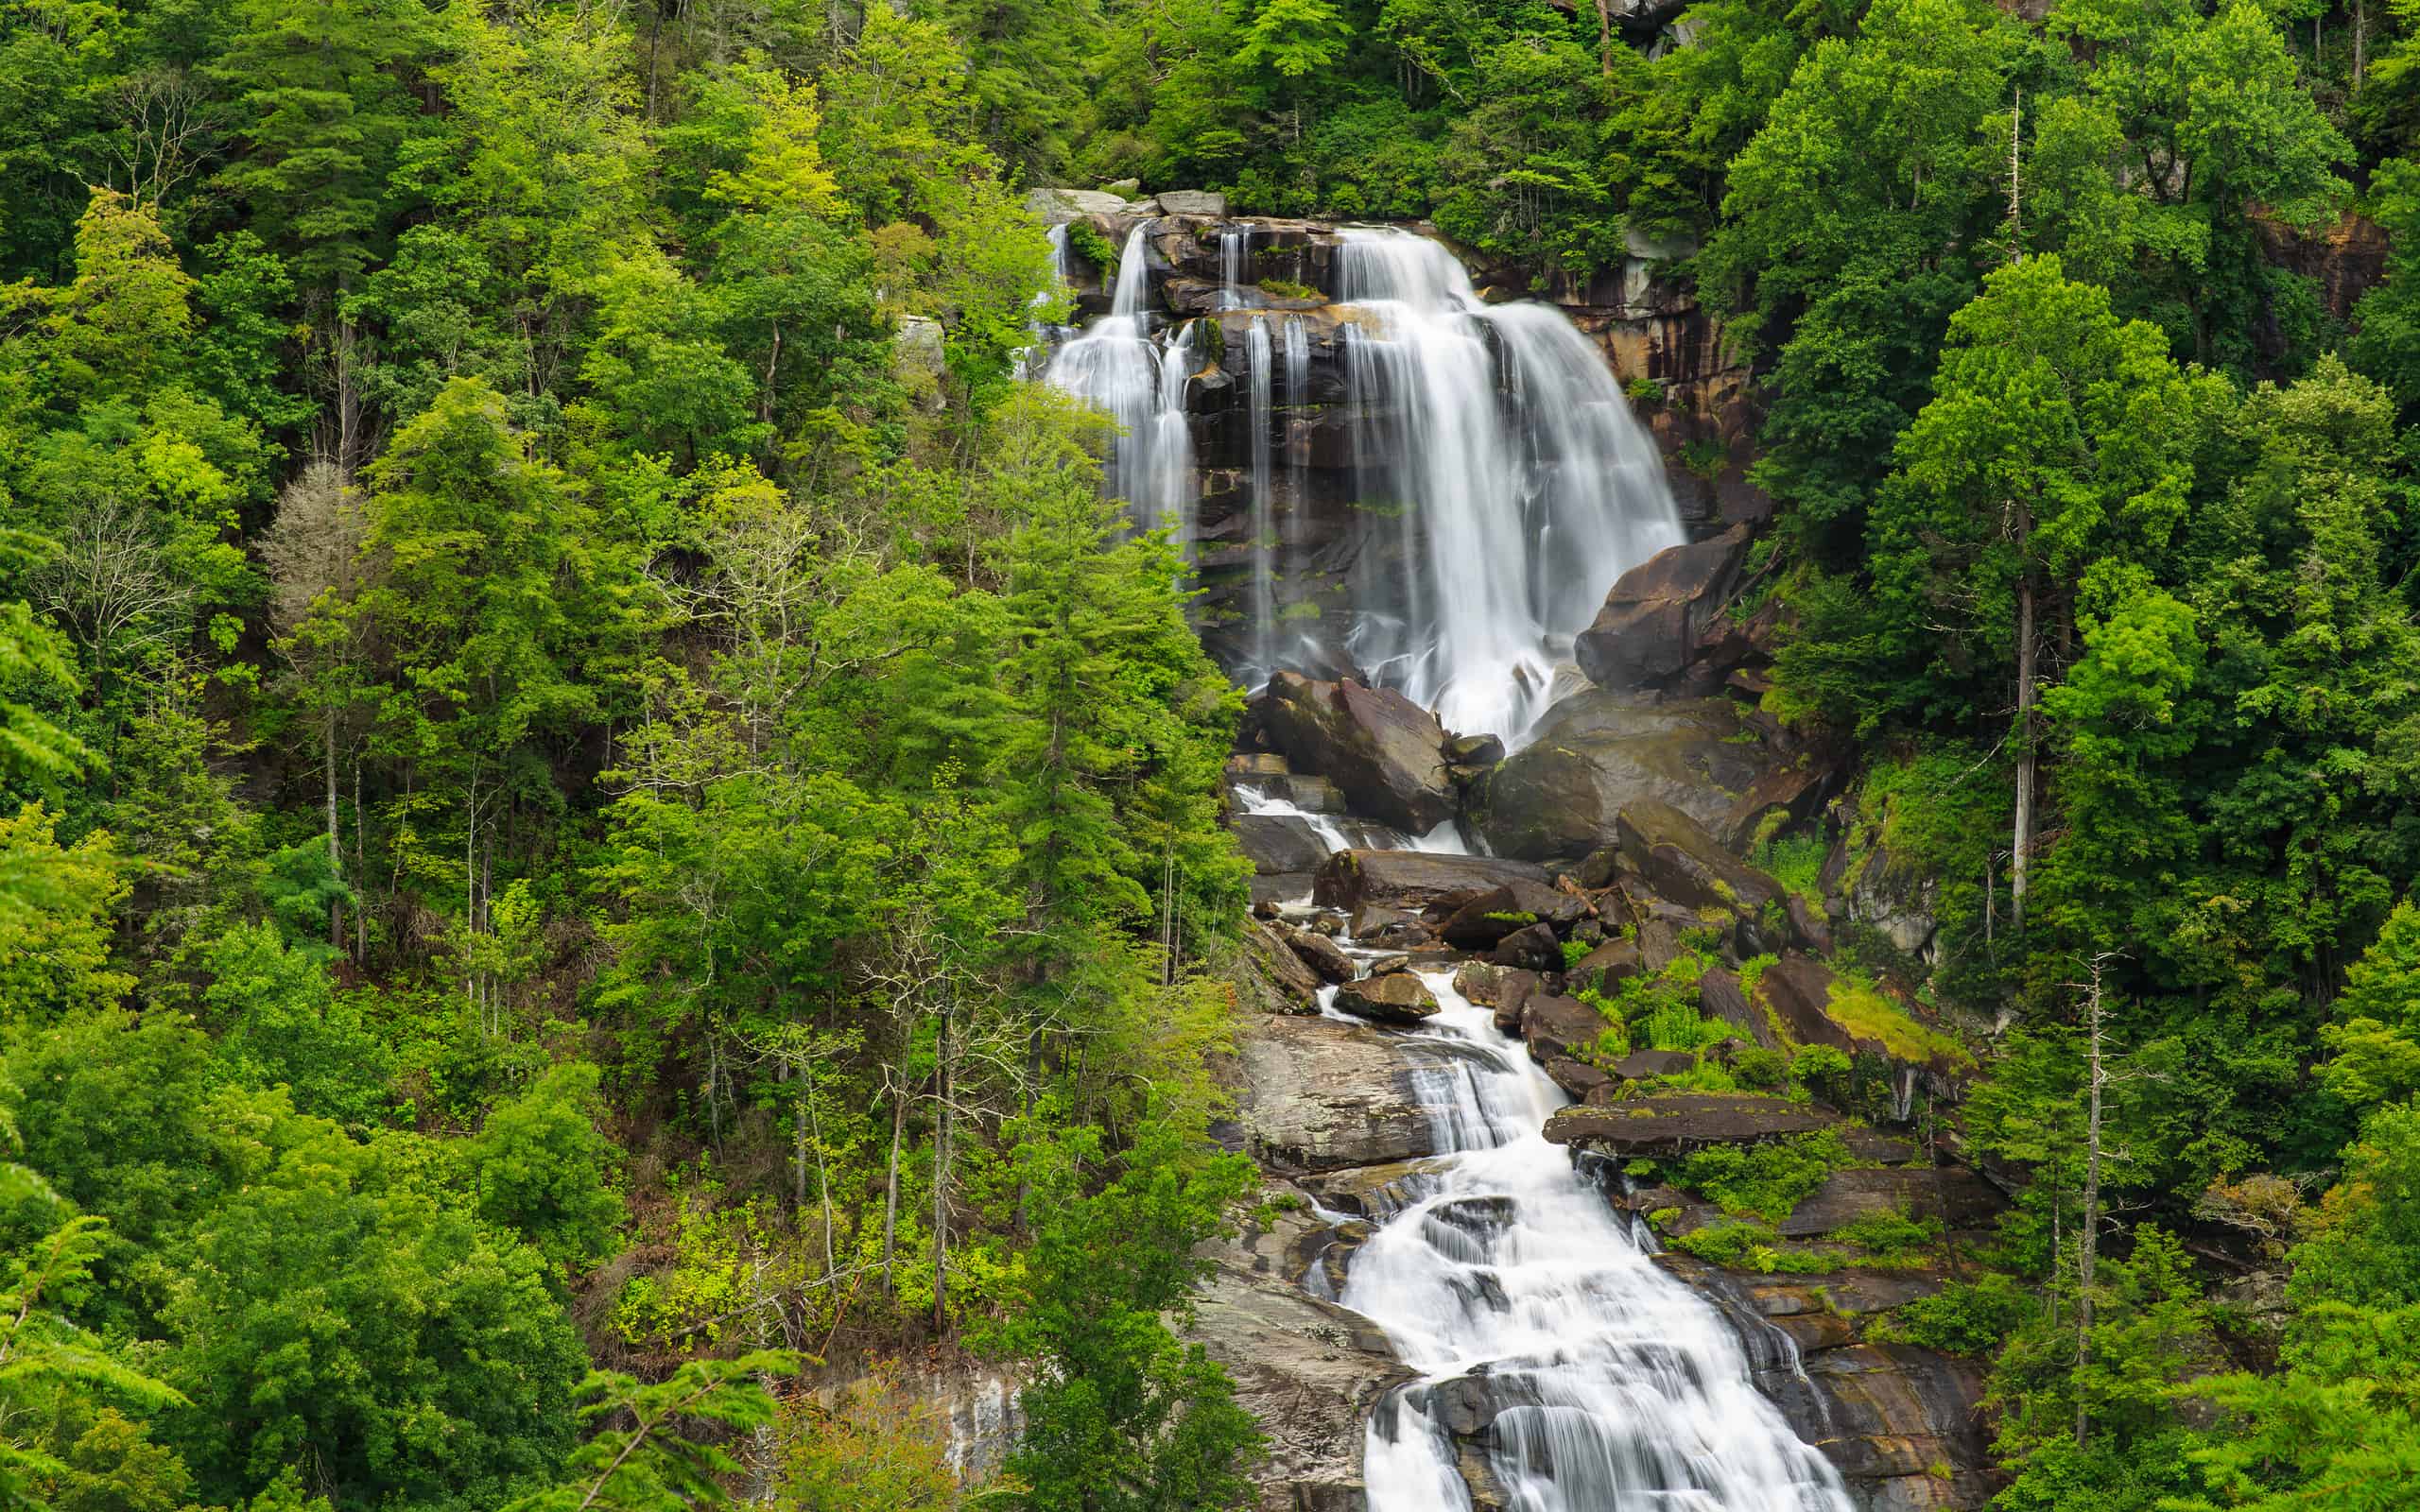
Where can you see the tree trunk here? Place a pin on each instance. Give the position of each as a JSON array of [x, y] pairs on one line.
[[361, 870], [2022, 845], [1605, 37], [2361, 51], [2088, 1239], [941, 1177], [336, 841], [891, 1184]]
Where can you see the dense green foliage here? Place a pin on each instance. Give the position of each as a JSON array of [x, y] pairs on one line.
[[578, 833], [578, 830]]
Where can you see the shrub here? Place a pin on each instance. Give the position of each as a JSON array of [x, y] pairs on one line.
[[1965, 1317], [1762, 1180], [1759, 1066]]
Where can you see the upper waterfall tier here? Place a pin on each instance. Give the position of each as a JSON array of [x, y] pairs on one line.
[[1373, 469]]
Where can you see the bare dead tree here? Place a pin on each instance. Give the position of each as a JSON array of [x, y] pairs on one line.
[[314, 552], [167, 127], [111, 586]]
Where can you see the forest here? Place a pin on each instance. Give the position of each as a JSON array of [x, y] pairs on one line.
[[585, 841]]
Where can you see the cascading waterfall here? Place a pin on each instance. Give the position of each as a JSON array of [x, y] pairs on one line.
[[1613, 1385], [1502, 479], [1117, 365], [1526, 484], [1264, 506]]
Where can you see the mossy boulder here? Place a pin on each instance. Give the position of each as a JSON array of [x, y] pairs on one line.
[[1597, 753]]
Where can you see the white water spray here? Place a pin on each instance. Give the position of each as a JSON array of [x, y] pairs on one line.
[[1116, 366], [1507, 1278], [1525, 484]]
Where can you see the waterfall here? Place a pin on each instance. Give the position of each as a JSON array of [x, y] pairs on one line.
[[1233, 244], [1506, 1276], [1264, 509], [1498, 482], [1526, 486], [1117, 365]]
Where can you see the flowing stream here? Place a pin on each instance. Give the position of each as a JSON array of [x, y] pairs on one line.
[[1506, 1277]]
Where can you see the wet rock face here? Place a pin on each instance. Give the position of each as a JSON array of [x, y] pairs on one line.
[[1597, 753], [1410, 881], [1666, 618], [1676, 856], [1320, 1096], [1386, 753], [1397, 998]]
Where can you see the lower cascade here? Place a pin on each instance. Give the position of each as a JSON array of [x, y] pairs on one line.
[[1529, 1305]]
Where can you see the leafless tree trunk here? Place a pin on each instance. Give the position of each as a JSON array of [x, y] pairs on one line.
[[2022, 848], [941, 1177], [2088, 1238]]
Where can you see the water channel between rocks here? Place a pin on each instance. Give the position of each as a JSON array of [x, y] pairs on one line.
[[1528, 1304]]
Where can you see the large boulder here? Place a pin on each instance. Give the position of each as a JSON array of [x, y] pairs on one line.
[[1954, 1195], [1655, 1128], [1278, 844], [1386, 753], [1320, 1096], [1053, 206], [1531, 949], [1324, 956], [1192, 202], [1799, 990], [1398, 997], [1554, 1027], [1275, 978], [1595, 754], [1411, 880], [1884, 894], [1680, 860], [1483, 921], [1662, 617]]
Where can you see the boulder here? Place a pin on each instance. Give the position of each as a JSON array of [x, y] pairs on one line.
[[1798, 989], [1559, 1027], [1386, 753], [1658, 620], [1324, 956], [1576, 1077], [1398, 997], [1388, 928], [1645, 1065], [1809, 929], [1192, 202], [1278, 844], [1475, 750], [1953, 1195], [1320, 1096], [1677, 858], [1054, 206], [1274, 979], [1595, 753], [1531, 949], [1481, 923], [1608, 966], [1411, 880], [1719, 997], [1671, 1123], [1782, 794]]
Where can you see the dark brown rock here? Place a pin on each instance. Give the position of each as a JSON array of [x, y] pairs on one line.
[[1785, 794], [1680, 860], [1719, 997], [1669, 1124], [1534, 949], [1809, 929], [1398, 997], [1484, 920], [1559, 1027], [1411, 880], [1608, 966], [1394, 928], [1658, 620], [1644, 1065], [1797, 989], [1576, 1077], [1595, 753], [1383, 751], [1952, 1195], [1321, 955]]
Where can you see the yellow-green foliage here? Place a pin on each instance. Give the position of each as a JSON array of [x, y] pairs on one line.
[[1858, 1007]]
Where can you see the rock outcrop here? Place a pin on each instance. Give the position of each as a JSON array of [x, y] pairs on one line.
[[1413, 879], [1597, 753], [1673, 1123], [1320, 1096], [1385, 752], [1666, 618]]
